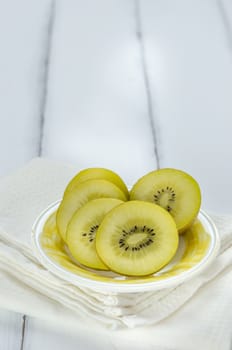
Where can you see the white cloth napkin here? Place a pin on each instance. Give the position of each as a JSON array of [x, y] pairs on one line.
[[29, 288]]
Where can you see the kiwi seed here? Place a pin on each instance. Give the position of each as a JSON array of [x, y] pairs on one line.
[[167, 195], [91, 234]]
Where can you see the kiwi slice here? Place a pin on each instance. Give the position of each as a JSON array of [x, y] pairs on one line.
[[137, 238], [80, 195], [82, 228], [172, 189], [94, 174]]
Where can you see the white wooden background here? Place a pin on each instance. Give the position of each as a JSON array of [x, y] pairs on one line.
[[128, 84]]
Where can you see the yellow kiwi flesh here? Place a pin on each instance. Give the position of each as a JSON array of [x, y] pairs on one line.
[[97, 174], [82, 228], [80, 195], [172, 189], [137, 238]]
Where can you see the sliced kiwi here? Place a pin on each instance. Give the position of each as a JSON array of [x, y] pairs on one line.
[[174, 190], [82, 228], [94, 174], [80, 195], [137, 238]]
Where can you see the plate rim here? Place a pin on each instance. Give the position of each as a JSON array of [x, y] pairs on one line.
[[113, 287]]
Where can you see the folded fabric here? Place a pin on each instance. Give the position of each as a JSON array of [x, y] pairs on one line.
[[22, 197]]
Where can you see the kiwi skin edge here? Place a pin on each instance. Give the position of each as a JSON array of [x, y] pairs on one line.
[[185, 228], [97, 174]]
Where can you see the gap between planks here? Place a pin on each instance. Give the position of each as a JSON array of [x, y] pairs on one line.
[[151, 114], [42, 113], [226, 22], [139, 34], [46, 75], [24, 321]]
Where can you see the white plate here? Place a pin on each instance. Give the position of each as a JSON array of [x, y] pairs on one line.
[[197, 249]]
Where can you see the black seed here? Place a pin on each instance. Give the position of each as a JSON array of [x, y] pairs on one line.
[[126, 248], [121, 245], [167, 187], [84, 234], [140, 245], [153, 234], [162, 190], [91, 240]]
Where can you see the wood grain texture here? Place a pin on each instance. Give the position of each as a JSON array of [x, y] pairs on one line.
[[225, 12], [43, 335], [23, 31], [23, 34], [10, 330], [190, 74], [226, 6], [97, 112]]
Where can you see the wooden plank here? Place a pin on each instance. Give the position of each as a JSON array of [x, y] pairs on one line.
[[43, 335], [23, 31], [97, 112], [225, 7], [10, 330], [190, 77]]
